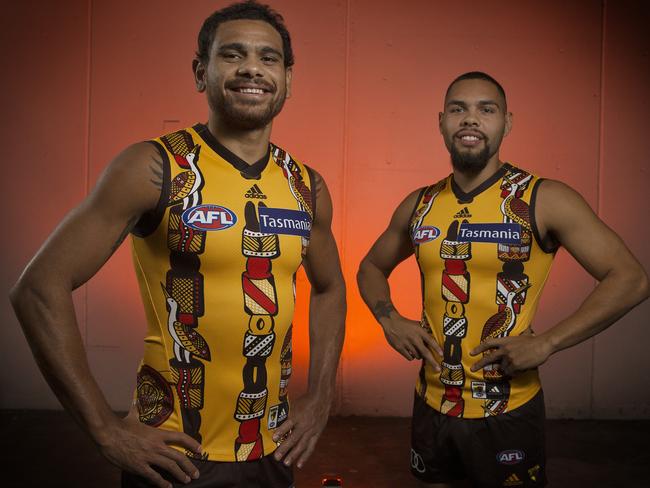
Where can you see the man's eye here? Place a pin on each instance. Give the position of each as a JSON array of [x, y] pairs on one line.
[[269, 59], [488, 110], [455, 110], [230, 56]]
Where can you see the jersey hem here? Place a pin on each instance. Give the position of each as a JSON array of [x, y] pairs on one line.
[[227, 457], [468, 417]]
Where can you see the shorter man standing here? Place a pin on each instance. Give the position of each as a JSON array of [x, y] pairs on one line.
[[485, 238]]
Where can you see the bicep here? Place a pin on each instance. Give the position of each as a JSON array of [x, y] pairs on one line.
[[574, 225], [322, 263], [394, 245], [90, 233]]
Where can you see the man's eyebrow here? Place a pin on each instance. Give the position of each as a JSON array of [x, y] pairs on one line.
[[481, 103], [236, 46]]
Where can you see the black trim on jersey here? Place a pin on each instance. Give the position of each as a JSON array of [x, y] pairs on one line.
[[410, 221], [149, 221], [533, 222], [468, 197], [417, 203], [248, 171], [312, 187]]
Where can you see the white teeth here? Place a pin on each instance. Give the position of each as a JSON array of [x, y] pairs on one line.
[[469, 138], [251, 90]]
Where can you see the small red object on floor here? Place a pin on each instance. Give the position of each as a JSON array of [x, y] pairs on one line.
[[332, 480]]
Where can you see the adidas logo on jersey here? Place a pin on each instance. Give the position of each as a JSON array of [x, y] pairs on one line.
[[463, 214], [513, 480], [255, 192]]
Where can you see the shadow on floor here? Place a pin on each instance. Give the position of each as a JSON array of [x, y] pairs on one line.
[[46, 449]]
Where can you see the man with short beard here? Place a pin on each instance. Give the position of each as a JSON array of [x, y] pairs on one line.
[[484, 239], [221, 220]]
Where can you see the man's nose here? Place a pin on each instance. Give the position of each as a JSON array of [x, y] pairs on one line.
[[250, 67], [470, 119]]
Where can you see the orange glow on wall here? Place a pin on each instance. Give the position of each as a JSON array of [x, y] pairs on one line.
[[92, 77]]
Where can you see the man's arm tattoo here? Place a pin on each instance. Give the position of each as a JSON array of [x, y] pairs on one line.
[[382, 309], [129, 226], [156, 167]]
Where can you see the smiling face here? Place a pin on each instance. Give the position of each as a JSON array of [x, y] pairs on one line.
[[473, 124], [245, 79]]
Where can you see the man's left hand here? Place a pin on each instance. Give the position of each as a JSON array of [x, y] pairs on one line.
[[513, 354], [298, 434]]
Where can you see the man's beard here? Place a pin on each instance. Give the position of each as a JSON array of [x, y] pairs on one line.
[[468, 163], [239, 116]]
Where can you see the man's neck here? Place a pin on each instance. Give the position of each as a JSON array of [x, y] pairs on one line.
[[249, 145], [468, 181]]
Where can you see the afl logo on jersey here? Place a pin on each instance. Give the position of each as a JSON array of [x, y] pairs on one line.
[[425, 234], [209, 217], [511, 456]]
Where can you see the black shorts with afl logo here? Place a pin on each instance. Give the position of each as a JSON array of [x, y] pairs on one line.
[[493, 452], [261, 473]]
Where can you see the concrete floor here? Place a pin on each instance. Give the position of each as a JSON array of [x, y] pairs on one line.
[[46, 449]]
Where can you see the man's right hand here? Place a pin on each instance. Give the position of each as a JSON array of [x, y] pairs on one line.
[[409, 339], [136, 447]]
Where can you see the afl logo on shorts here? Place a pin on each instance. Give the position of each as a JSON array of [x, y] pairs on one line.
[[511, 456], [209, 217], [425, 234]]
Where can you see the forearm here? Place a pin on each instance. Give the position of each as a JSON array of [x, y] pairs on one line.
[[48, 320], [612, 298], [327, 309], [375, 290]]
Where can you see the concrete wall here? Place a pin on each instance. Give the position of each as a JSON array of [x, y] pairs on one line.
[[82, 81]]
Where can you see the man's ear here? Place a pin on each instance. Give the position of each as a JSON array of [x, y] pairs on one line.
[[288, 77], [508, 124], [199, 74], [440, 115]]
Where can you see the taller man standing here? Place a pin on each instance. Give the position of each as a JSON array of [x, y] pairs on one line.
[[484, 239], [221, 220]]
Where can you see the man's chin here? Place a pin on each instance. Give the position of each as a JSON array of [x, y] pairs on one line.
[[250, 116], [470, 163], [249, 119]]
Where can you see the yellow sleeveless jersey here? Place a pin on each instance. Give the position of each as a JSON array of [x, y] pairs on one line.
[[483, 270], [216, 266]]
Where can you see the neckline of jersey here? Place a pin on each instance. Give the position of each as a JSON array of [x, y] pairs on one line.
[[469, 196], [248, 171]]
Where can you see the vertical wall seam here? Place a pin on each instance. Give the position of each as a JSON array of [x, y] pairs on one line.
[[344, 185], [599, 178], [86, 165]]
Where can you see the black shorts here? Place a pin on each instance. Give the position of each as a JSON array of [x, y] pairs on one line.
[[261, 473], [500, 451]]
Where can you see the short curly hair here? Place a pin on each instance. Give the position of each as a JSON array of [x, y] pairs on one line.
[[249, 10]]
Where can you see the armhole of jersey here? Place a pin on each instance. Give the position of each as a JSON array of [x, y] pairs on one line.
[[417, 203], [312, 188], [149, 221], [533, 221]]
